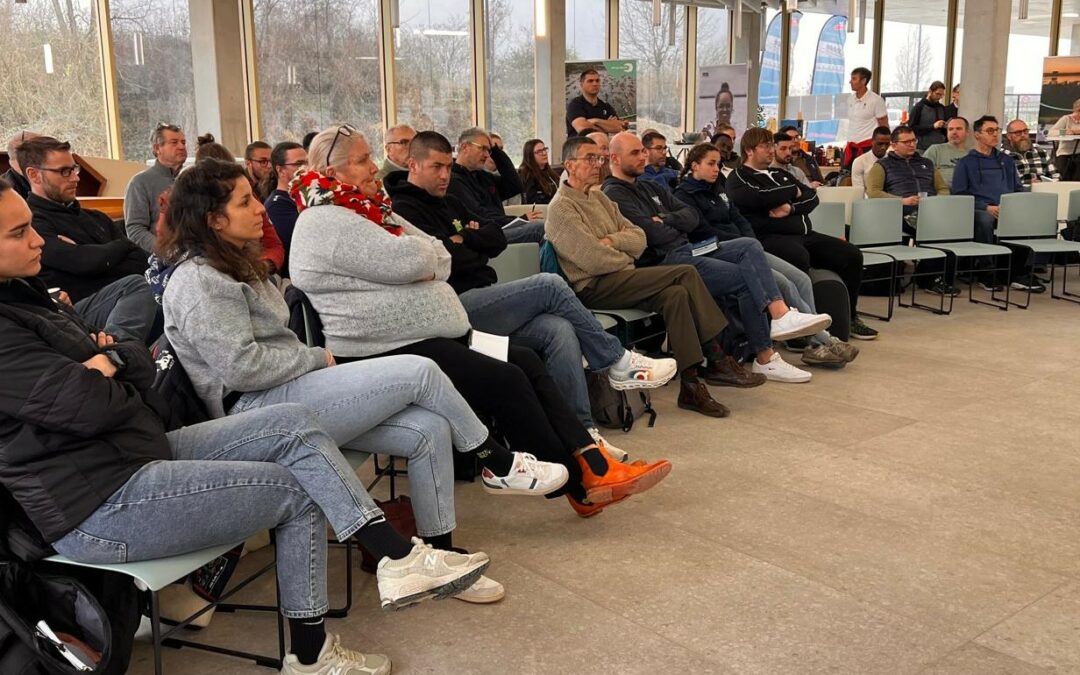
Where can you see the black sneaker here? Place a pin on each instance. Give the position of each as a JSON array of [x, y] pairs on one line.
[[939, 287], [860, 331], [1028, 283], [797, 345]]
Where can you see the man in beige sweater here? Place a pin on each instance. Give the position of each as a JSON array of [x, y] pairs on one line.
[[597, 247]]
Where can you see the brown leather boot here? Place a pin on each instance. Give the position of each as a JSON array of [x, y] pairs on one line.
[[730, 373], [695, 396]]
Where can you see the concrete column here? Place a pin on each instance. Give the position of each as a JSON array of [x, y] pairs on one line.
[[748, 50], [550, 75], [217, 62], [982, 65]]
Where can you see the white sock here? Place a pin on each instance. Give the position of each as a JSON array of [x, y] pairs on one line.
[[624, 362]]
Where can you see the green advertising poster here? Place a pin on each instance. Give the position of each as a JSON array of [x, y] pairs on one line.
[[618, 84]]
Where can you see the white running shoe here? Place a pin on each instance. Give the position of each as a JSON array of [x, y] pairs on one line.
[[779, 370], [617, 454], [337, 660], [796, 324], [528, 476], [642, 372], [425, 573], [484, 591]]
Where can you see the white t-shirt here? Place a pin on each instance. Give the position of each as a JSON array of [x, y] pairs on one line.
[[862, 164], [863, 114]]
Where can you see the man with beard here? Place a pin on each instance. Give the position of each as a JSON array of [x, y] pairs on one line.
[[1032, 162]]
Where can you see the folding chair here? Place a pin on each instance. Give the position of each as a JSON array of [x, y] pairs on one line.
[[829, 218], [947, 223], [877, 227], [1028, 221]]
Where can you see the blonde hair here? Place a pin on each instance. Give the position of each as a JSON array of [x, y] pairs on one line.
[[321, 144]]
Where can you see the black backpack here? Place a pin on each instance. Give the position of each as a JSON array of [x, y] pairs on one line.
[[173, 384], [614, 409]]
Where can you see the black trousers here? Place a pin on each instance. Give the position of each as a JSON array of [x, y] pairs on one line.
[[823, 252], [520, 396]]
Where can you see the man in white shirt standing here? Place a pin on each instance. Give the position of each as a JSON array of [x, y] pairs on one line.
[[880, 142], [866, 112]]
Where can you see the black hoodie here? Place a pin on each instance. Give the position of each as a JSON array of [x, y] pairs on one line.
[[922, 118], [483, 192], [643, 200], [755, 193], [442, 218]]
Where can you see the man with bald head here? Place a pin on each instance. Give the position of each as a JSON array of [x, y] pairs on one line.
[[396, 142], [15, 174]]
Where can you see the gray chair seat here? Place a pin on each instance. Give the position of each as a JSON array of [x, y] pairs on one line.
[[901, 252], [1047, 245], [967, 249], [606, 322]]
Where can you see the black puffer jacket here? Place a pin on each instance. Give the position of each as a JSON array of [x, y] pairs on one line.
[[69, 436], [719, 217], [924, 114]]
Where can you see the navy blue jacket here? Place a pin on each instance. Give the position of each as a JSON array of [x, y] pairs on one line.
[[719, 217], [986, 177]]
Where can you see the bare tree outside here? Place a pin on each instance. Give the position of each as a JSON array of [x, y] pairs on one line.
[[511, 82], [712, 37], [660, 63], [913, 68]]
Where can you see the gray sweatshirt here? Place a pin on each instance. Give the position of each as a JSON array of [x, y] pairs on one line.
[[232, 336], [374, 292], [141, 204]]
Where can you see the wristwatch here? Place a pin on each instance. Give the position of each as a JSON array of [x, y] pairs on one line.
[[114, 357]]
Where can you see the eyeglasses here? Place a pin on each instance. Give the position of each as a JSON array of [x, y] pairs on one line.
[[540, 151], [993, 131], [660, 147], [595, 160], [1017, 132], [405, 142], [296, 164], [260, 162], [64, 171], [910, 141], [482, 148], [343, 130]]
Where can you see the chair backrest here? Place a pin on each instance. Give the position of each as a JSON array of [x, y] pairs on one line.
[[876, 222], [828, 218], [1074, 206], [1062, 189], [518, 261], [946, 218], [846, 195], [1028, 214]]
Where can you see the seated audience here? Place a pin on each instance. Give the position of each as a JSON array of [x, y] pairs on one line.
[[929, 116], [656, 166], [784, 159], [1031, 161], [286, 159], [227, 325], [308, 137], [703, 188], [257, 165], [736, 268], [89, 460], [14, 175], [489, 163], [879, 146], [778, 208], [597, 249], [396, 141], [945, 155], [142, 207], [483, 193], [379, 286], [85, 253], [540, 311], [801, 159], [207, 147], [538, 180]]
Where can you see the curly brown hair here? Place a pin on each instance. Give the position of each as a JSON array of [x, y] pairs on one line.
[[199, 193]]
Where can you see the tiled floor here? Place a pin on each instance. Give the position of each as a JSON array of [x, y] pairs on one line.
[[917, 512]]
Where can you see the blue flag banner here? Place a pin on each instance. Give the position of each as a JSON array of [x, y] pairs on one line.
[[829, 73], [769, 84]]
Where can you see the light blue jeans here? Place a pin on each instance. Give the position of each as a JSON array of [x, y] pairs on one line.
[[524, 232], [542, 312], [229, 479], [396, 405], [797, 289]]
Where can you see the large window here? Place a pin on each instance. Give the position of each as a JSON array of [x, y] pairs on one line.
[[324, 74], [586, 30], [434, 66], [1069, 35], [660, 52], [713, 26], [913, 47], [52, 73], [511, 83], [1029, 44], [152, 44]]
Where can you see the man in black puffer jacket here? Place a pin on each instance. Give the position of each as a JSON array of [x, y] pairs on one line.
[[928, 117]]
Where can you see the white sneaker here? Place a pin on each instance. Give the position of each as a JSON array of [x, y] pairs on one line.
[[483, 592], [427, 572], [528, 476], [796, 324], [779, 370], [336, 660], [642, 373], [617, 454]]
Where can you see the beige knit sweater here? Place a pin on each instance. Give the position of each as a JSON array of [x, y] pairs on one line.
[[577, 221]]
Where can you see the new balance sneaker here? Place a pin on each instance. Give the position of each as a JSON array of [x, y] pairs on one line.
[[618, 454], [939, 287], [821, 355], [484, 592], [528, 476], [427, 573], [620, 480], [779, 370], [860, 331], [796, 324], [337, 660], [1028, 283], [796, 345], [641, 372], [845, 350]]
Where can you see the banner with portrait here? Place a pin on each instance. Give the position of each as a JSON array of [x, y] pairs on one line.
[[721, 98], [618, 84]]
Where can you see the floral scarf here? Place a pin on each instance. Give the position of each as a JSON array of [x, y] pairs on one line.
[[312, 188]]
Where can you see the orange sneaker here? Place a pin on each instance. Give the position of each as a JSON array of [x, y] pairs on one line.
[[621, 480]]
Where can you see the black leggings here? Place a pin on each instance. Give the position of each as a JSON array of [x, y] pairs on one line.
[[824, 252], [520, 396]]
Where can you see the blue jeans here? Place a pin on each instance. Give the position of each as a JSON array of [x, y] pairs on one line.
[[125, 309], [523, 232], [542, 312], [738, 268], [797, 289], [229, 479], [397, 405]]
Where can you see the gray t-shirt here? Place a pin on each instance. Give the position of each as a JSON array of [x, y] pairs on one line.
[[944, 157]]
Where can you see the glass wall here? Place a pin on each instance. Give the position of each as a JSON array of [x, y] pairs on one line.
[[1069, 35], [152, 45], [52, 74], [713, 32], [586, 30], [913, 49], [319, 77], [511, 82], [434, 66], [661, 58], [1029, 44]]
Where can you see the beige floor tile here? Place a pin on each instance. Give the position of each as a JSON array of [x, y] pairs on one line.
[[972, 659], [1047, 633]]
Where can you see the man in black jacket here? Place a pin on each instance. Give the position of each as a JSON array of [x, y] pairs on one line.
[[86, 254], [14, 174], [928, 117], [483, 192], [778, 208]]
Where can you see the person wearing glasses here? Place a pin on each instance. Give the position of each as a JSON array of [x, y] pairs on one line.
[[656, 162], [257, 164], [1031, 161], [396, 144], [86, 255], [538, 180], [142, 207], [14, 174], [286, 159]]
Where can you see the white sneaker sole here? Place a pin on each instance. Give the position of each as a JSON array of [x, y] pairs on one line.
[[629, 385], [422, 588], [803, 331], [793, 379], [524, 492]]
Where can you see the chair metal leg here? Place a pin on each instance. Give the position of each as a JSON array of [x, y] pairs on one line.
[[940, 310], [1065, 294], [155, 629], [892, 293]]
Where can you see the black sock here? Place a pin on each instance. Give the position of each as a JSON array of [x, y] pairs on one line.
[[444, 542], [381, 539], [306, 637], [690, 375], [595, 460], [494, 457], [714, 353]]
